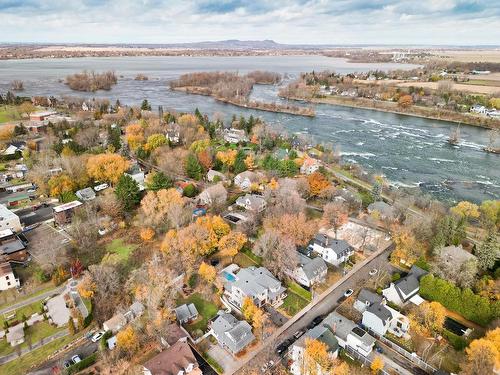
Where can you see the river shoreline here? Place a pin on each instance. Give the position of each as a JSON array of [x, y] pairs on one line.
[[444, 115], [248, 105]]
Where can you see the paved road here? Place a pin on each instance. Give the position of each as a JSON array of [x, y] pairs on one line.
[[83, 351], [355, 281]]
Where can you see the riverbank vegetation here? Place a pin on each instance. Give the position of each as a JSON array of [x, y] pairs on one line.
[[230, 87], [390, 92], [91, 81]]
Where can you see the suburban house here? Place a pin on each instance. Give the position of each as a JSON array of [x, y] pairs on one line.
[[381, 319], [406, 289], [9, 220], [13, 247], [232, 334], [41, 115], [137, 175], [233, 135], [64, 212], [174, 333], [213, 175], [331, 250], [309, 166], [309, 271], [366, 298], [256, 283], [186, 313], [455, 255], [244, 180], [348, 334], [13, 149], [477, 108], [252, 202], [321, 333], [215, 194], [86, 194], [386, 211], [115, 323], [7, 278], [178, 359]]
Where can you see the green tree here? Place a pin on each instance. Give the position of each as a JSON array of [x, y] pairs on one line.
[[145, 106], [127, 191], [239, 163], [488, 252], [194, 169], [287, 168], [190, 191], [71, 326], [158, 181]]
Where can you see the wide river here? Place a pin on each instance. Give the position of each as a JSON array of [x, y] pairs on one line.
[[409, 151]]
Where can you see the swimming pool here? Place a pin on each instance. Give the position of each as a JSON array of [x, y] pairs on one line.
[[228, 276]]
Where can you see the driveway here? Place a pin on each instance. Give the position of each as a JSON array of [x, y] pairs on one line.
[[276, 317], [223, 358], [57, 310]]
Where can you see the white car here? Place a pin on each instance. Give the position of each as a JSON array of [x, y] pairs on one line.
[[348, 293], [373, 272], [76, 358], [101, 187], [97, 336]]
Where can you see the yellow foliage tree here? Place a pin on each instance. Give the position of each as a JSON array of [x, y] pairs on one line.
[[208, 272], [317, 183], [107, 167], [258, 319], [227, 157], [377, 365], [466, 210], [6, 132], [250, 162], [408, 249], [154, 141], [147, 234], [187, 120], [126, 340], [87, 287], [273, 184], [433, 315], [134, 134], [231, 243], [248, 309], [316, 354], [60, 184], [483, 355]]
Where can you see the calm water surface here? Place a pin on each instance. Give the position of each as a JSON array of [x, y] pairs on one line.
[[410, 151]]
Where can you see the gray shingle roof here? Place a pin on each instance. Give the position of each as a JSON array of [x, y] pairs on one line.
[[368, 296], [342, 327], [232, 333], [382, 207], [381, 311], [338, 246], [186, 312], [321, 333], [312, 267], [409, 285], [253, 281]]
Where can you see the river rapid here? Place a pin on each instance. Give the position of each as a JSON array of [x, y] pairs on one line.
[[409, 151]]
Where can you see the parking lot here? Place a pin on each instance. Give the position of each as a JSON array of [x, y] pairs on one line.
[[45, 241]]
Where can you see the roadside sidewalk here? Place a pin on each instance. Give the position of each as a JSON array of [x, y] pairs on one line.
[[30, 300]]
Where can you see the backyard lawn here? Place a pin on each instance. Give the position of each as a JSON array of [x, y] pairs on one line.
[[119, 250], [27, 310], [36, 333], [206, 310], [8, 113], [296, 300]]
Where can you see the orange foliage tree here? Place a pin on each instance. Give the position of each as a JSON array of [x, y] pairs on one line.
[[107, 167], [405, 101], [147, 234], [134, 134], [293, 226], [317, 183], [231, 244]]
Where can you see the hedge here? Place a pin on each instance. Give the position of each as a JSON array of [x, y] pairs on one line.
[[458, 342], [463, 301], [83, 364]]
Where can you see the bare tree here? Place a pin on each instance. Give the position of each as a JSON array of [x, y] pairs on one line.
[[278, 252]]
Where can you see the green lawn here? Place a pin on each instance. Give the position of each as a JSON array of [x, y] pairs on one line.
[[119, 250], [297, 289], [255, 258], [27, 310], [293, 303], [244, 260], [21, 365], [206, 310], [8, 113], [43, 288]]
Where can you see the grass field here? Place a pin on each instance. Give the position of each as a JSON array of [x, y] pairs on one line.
[[36, 333], [8, 113], [27, 310], [293, 303], [119, 250], [206, 310]]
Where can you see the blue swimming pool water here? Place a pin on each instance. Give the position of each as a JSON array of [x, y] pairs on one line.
[[228, 276]]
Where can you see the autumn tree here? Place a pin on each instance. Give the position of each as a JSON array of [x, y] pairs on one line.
[[147, 234], [227, 158], [248, 309], [466, 210], [405, 101], [316, 358], [231, 244], [317, 183], [205, 159], [157, 206], [126, 340], [107, 167], [134, 134], [431, 315], [377, 365], [278, 252], [490, 213], [483, 355], [127, 191], [61, 184], [296, 227], [207, 272], [154, 141], [171, 161], [71, 326], [335, 214], [158, 180], [407, 249]]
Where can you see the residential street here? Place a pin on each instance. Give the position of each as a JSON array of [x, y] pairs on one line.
[[354, 280], [29, 301]]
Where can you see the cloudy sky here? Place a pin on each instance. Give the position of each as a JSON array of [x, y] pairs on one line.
[[459, 22]]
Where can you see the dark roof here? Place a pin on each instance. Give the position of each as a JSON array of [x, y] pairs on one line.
[[368, 296], [417, 272], [381, 311], [174, 333], [338, 246], [172, 360], [408, 285]]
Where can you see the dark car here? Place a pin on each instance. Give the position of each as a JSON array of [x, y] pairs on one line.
[[283, 346], [67, 363], [315, 322]]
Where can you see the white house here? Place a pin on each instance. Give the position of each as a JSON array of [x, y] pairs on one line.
[[9, 220], [309, 166], [309, 271], [244, 180], [348, 334], [232, 334], [481, 109], [256, 283], [252, 202], [381, 319], [365, 299], [331, 250], [405, 289], [7, 278], [301, 365], [233, 135]]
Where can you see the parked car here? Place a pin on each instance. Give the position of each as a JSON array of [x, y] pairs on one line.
[[101, 187], [67, 363], [76, 358], [373, 272], [299, 333], [97, 336], [348, 293], [283, 346], [315, 322]]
